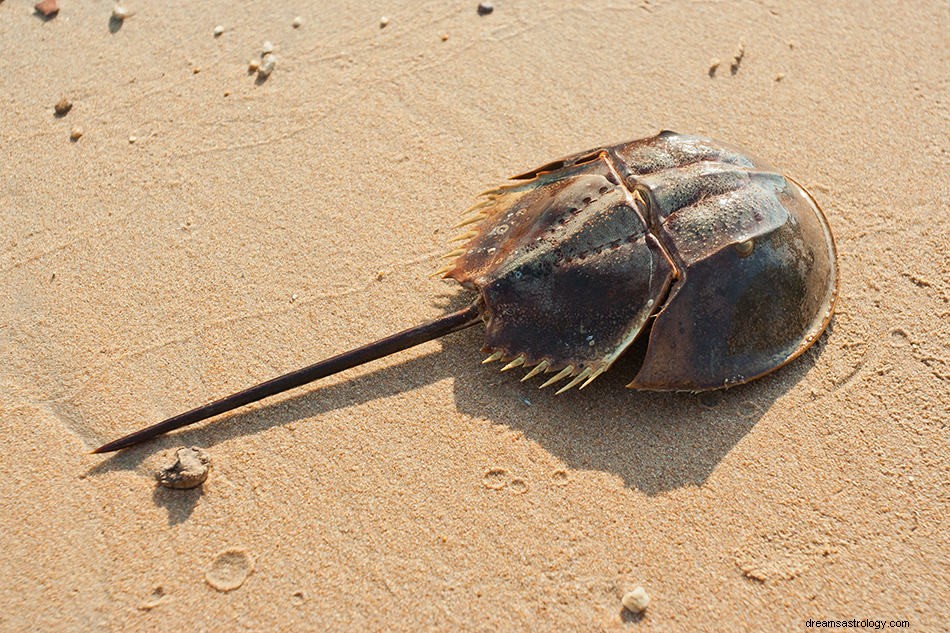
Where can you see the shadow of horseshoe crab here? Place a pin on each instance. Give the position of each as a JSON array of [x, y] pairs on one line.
[[655, 441]]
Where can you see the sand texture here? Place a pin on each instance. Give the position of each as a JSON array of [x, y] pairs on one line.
[[211, 228]]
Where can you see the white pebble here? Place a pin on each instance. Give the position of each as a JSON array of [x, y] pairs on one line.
[[253, 65], [636, 601], [297, 22], [383, 21], [218, 30], [268, 47], [120, 13], [267, 65]]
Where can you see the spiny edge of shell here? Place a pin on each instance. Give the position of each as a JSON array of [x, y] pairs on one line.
[[580, 375], [472, 218]]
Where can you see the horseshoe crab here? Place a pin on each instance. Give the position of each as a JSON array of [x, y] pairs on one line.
[[724, 267]]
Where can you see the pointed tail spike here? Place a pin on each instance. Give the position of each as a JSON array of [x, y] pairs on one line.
[[464, 237], [564, 373], [495, 356], [455, 253], [478, 217], [540, 367], [577, 379], [515, 363], [475, 212], [441, 272], [481, 204], [593, 375]]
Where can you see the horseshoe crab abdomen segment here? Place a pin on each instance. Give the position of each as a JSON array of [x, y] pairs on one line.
[[567, 270], [580, 312], [517, 219], [758, 288]]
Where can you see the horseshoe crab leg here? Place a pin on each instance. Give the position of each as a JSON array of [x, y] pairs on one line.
[[383, 347]]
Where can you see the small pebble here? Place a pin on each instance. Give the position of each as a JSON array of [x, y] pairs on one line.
[[297, 22], [484, 8], [268, 61], [636, 601], [120, 13], [133, 138], [713, 67], [779, 76], [253, 65], [62, 106], [268, 47], [444, 37], [190, 469], [383, 21], [218, 30], [75, 134], [48, 8]]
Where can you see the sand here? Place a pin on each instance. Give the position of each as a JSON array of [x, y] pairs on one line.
[[210, 230]]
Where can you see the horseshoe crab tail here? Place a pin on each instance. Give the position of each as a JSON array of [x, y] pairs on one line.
[[383, 347]]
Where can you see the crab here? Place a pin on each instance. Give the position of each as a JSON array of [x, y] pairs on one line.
[[723, 267]]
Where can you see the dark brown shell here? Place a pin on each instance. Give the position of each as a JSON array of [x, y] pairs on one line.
[[729, 265]]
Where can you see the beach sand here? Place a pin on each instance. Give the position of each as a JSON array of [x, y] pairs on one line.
[[210, 230]]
